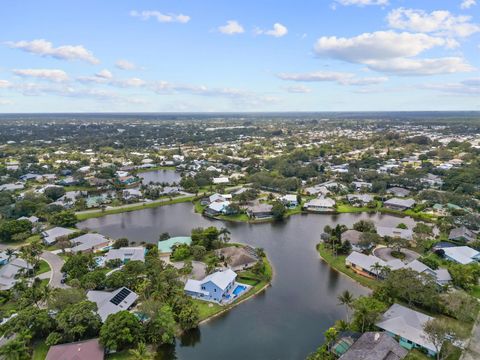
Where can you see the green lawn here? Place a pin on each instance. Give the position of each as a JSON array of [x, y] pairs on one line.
[[123, 355], [97, 214], [475, 291], [42, 268], [338, 263], [40, 351]]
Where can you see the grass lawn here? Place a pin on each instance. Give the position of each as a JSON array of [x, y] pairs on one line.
[[122, 355], [346, 208], [416, 354], [338, 263], [42, 268], [475, 291], [152, 204], [40, 351]]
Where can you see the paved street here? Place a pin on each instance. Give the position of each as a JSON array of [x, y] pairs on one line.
[[384, 253], [56, 263]]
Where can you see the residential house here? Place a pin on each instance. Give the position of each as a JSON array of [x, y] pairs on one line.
[[461, 254], [220, 180], [343, 342], [375, 346], [81, 350], [165, 246], [394, 232], [366, 265], [407, 324], [112, 302], [131, 194], [441, 276], [237, 258], [217, 208], [361, 185], [399, 204], [214, 287], [12, 187], [10, 271], [462, 234], [289, 200], [126, 254], [320, 205], [432, 180], [359, 199], [398, 191], [51, 236], [89, 243], [354, 237], [260, 211]]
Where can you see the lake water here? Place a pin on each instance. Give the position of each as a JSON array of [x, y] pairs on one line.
[[288, 319], [160, 176]]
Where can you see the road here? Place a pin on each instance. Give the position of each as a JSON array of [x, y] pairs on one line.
[[384, 253], [55, 262], [472, 352]]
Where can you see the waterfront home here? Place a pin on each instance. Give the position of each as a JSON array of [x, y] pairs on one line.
[[237, 258], [407, 324], [126, 254], [165, 246], [10, 271], [359, 199], [112, 302], [461, 254], [375, 346], [89, 242], [80, 350], [399, 204], [216, 198], [320, 205], [219, 287], [51, 236], [398, 191], [441, 276], [131, 194], [343, 342], [354, 237], [260, 211], [462, 234], [289, 200], [370, 265], [318, 190], [217, 208], [394, 232]]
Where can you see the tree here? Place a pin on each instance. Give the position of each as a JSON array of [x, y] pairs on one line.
[[367, 311], [437, 332], [31, 252], [164, 236], [346, 298], [10, 228], [161, 328], [16, 348], [54, 192], [278, 210], [460, 305], [60, 299], [65, 218], [93, 280], [119, 243], [37, 321], [78, 265], [365, 226], [141, 352], [78, 321], [121, 330]]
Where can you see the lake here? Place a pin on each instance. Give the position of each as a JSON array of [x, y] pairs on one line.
[[288, 319], [160, 176]]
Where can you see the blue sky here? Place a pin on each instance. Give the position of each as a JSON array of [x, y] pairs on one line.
[[191, 55]]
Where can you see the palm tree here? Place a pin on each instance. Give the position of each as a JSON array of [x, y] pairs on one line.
[[346, 298], [141, 352], [377, 268], [224, 234], [9, 252]]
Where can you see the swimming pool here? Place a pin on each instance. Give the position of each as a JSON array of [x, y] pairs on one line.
[[239, 289]]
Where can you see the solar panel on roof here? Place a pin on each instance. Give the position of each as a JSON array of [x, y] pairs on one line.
[[122, 294]]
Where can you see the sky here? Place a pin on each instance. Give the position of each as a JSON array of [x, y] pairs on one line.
[[239, 55]]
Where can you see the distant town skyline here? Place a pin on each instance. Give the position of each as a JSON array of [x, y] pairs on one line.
[[216, 56]]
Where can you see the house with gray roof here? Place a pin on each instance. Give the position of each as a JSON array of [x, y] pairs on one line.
[[398, 191], [375, 346], [260, 211], [112, 302], [320, 205], [399, 204], [354, 237], [51, 236], [359, 199], [89, 242], [462, 234], [9, 272], [126, 254], [237, 258], [394, 232], [407, 324], [366, 264], [461, 254]]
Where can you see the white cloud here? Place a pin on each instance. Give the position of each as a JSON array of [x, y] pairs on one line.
[[131, 82], [65, 52], [341, 78], [298, 89], [55, 75], [5, 102], [380, 45], [418, 67], [278, 30], [5, 84], [232, 27], [161, 17], [104, 74], [125, 65], [467, 4], [362, 2], [439, 22], [469, 87]]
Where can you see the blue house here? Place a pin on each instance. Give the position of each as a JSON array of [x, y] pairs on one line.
[[215, 287]]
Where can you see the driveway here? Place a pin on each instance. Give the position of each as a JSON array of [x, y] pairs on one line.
[[56, 263], [384, 253], [199, 268]]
